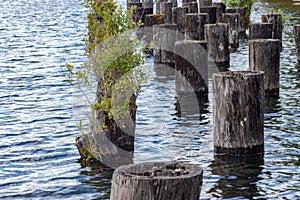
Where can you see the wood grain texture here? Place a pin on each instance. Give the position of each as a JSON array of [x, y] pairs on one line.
[[194, 25], [157, 181], [238, 115], [276, 20], [260, 31], [297, 41]]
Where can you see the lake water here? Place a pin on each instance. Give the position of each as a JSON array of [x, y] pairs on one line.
[[37, 135]]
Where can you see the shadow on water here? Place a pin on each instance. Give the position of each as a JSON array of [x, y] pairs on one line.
[[239, 176]]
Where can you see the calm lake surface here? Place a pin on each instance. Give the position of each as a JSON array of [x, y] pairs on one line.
[[38, 159]]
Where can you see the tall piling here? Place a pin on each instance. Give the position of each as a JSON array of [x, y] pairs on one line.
[[260, 31], [194, 25], [178, 14], [238, 114], [264, 55], [220, 9], [166, 9], [232, 19], [276, 20], [192, 7], [297, 41], [211, 11], [242, 20]]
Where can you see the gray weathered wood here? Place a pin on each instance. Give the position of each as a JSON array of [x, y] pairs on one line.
[[158, 2], [238, 115], [260, 31], [147, 3], [232, 19], [166, 8], [276, 20], [178, 15], [192, 6], [194, 25], [205, 3], [221, 7], [191, 67], [164, 37], [217, 38], [211, 11], [157, 181], [264, 55], [242, 20], [297, 41]]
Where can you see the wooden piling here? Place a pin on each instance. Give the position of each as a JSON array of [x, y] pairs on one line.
[[238, 112], [192, 6], [158, 2], [205, 3], [217, 38], [221, 7], [260, 31], [178, 15], [276, 20], [191, 67], [154, 19], [166, 8], [157, 181], [264, 55], [297, 41], [147, 4], [164, 37], [194, 25], [232, 19], [211, 11], [242, 20]]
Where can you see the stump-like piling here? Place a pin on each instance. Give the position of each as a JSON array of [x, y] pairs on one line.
[[147, 4], [192, 6], [178, 15], [166, 8], [205, 3], [297, 41], [191, 67], [157, 181], [158, 2], [276, 20], [242, 20], [211, 11], [164, 37], [264, 55], [221, 7], [260, 31], [217, 39], [194, 25], [232, 19], [238, 112]]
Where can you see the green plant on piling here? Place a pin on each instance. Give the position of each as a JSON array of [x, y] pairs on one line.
[[246, 4], [114, 59]]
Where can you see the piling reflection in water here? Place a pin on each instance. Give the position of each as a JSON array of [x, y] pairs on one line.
[[240, 175]]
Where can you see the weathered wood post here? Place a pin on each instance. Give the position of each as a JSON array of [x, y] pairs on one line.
[[238, 112], [264, 55], [191, 67], [178, 15], [217, 39], [242, 20], [260, 31], [297, 41], [276, 20], [194, 25], [164, 37], [220, 10], [158, 2], [192, 6], [211, 11], [166, 8], [157, 181], [232, 19], [205, 3], [148, 6]]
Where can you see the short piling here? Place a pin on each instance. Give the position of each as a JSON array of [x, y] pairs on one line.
[[217, 39], [264, 55], [194, 25], [238, 115], [191, 67], [260, 31], [276, 20], [211, 11], [242, 20], [297, 41], [157, 180]]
